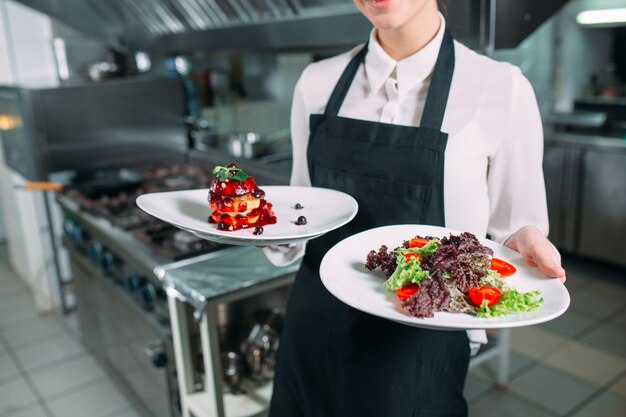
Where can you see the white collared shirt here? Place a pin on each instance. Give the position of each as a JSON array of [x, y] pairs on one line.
[[493, 178]]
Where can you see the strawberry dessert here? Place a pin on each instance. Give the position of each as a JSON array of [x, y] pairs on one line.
[[237, 202]]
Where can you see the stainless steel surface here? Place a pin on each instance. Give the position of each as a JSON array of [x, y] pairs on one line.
[[178, 26], [587, 195], [603, 206], [222, 276], [116, 335], [122, 122]]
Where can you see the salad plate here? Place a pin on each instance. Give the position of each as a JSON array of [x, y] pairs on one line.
[[324, 209], [344, 274]]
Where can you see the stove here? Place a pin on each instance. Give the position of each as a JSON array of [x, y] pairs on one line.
[[118, 207], [122, 309]]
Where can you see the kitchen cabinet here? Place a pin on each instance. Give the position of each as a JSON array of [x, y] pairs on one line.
[[603, 205], [585, 180]]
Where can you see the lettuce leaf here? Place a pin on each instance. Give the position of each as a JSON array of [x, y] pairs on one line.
[[512, 301], [405, 273]]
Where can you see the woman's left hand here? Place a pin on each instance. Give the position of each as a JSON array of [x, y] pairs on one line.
[[531, 243]]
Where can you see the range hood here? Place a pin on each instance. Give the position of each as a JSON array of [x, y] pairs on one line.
[[182, 26]]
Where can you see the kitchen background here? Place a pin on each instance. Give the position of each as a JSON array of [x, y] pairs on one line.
[[154, 93]]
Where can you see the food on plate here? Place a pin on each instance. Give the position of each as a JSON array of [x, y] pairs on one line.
[[237, 202], [301, 221], [454, 274], [298, 206]]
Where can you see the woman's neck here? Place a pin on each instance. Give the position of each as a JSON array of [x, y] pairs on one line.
[[406, 40]]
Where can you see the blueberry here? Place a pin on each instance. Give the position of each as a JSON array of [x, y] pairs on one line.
[[298, 206], [301, 221], [211, 219], [222, 226], [258, 230]]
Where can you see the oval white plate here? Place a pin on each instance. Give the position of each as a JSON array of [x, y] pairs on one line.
[[324, 209], [343, 273]]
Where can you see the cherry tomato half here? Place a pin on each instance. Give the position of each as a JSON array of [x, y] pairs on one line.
[[479, 294], [407, 291], [417, 242], [408, 257], [502, 267]]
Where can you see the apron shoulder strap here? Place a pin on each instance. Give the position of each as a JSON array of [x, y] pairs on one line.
[[343, 85], [439, 90]]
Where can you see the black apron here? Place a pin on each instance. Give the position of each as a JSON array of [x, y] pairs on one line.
[[335, 361]]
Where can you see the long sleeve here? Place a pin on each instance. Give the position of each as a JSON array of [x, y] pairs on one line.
[[281, 255], [515, 182]]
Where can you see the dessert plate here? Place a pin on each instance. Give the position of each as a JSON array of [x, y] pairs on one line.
[[343, 273], [324, 209]]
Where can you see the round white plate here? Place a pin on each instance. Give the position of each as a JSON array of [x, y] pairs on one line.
[[324, 209], [344, 275]]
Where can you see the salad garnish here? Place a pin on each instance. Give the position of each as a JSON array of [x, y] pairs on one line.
[[455, 274]]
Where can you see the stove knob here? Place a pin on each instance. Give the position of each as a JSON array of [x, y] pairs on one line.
[[147, 296], [107, 262], [95, 252], [132, 282], [156, 352]]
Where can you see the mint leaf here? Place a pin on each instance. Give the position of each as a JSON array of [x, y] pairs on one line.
[[234, 173]]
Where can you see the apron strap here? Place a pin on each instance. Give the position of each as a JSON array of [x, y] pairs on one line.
[[343, 85], [437, 98]]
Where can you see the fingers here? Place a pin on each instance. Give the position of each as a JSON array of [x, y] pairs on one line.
[[538, 251], [543, 255]]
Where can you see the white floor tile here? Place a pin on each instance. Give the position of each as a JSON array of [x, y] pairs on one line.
[[503, 404], [535, 342], [67, 377], [34, 331], [95, 401], [126, 413], [594, 304], [48, 352], [571, 324], [552, 390], [619, 388], [475, 388], [587, 363], [488, 370], [14, 395], [30, 411], [7, 368], [609, 337], [606, 405]]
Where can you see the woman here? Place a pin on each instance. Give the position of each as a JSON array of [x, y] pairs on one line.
[[419, 129]]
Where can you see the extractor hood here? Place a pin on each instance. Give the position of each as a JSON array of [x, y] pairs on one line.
[[181, 26]]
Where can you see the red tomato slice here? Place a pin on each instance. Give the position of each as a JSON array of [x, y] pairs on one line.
[[479, 294], [407, 291], [408, 257], [502, 267], [417, 242]]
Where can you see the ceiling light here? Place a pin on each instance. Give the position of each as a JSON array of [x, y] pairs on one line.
[[604, 17]]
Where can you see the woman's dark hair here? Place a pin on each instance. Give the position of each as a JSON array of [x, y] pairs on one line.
[[443, 6]]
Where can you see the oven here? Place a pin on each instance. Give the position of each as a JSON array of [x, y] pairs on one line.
[[123, 315]]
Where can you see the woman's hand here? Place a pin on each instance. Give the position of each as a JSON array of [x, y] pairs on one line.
[[530, 242]]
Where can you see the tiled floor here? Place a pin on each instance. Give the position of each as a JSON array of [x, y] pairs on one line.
[[574, 366]]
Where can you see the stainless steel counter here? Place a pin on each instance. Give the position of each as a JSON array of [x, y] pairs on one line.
[[223, 276]]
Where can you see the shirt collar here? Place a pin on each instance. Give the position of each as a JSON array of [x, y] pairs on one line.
[[410, 71]]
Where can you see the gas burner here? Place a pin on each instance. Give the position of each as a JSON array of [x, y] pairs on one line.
[[120, 209]]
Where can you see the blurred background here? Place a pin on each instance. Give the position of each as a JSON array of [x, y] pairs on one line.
[[103, 101]]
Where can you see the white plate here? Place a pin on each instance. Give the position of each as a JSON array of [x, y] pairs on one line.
[[343, 273], [324, 209]]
